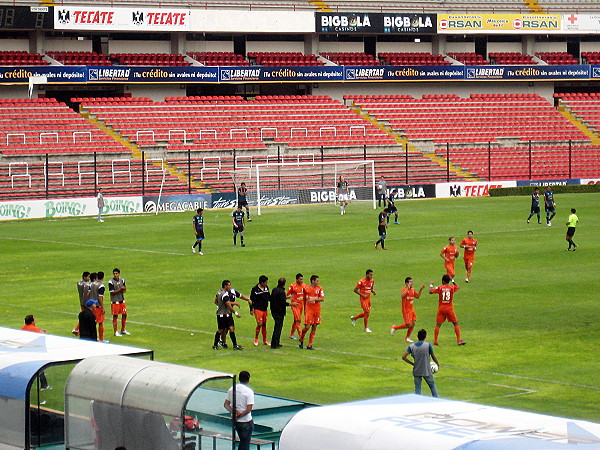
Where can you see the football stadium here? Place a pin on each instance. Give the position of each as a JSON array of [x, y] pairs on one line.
[[195, 200]]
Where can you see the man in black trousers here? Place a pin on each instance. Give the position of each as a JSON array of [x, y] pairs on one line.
[[278, 305]]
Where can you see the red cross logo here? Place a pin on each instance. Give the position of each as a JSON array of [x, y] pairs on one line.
[[572, 18]]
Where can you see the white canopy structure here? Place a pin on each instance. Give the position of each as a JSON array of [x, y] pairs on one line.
[[23, 356], [420, 422], [139, 404]]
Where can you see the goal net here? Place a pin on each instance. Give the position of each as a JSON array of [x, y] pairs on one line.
[[272, 184]]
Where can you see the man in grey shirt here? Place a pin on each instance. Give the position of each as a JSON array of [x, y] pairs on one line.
[[381, 191], [421, 351]]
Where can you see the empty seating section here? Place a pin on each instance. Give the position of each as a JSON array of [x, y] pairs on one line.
[[351, 59], [480, 118], [149, 59], [557, 58], [413, 59], [543, 161], [80, 58], [586, 107], [219, 58], [21, 58], [510, 58], [39, 126], [469, 59], [284, 59], [590, 57], [212, 124]]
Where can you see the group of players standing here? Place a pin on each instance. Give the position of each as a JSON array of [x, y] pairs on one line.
[[238, 218], [302, 298], [91, 291]]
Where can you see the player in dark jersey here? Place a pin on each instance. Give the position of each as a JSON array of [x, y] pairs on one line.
[[242, 193], [535, 205], [238, 219], [383, 215], [549, 205], [198, 223], [392, 207]]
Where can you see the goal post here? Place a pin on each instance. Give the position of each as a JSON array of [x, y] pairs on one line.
[[311, 182]]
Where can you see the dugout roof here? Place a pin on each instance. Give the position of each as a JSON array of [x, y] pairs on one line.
[[114, 400], [23, 355]]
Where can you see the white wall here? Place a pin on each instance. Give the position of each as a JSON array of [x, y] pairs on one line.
[[14, 44], [139, 47], [338, 90], [274, 46], [498, 47], [460, 47], [338, 47], [550, 47], [590, 46], [15, 92], [412, 47], [67, 44], [209, 46]]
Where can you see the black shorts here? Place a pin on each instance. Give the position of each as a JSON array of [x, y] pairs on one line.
[[535, 210], [225, 321], [381, 229], [243, 203], [570, 231], [549, 209], [199, 234], [392, 209], [239, 229]]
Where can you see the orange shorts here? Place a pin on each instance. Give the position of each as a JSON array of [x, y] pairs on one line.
[[260, 316], [366, 305], [118, 308], [99, 313], [312, 318], [410, 316], [469, 262], [449, 268], [446, 314], [297, 311]]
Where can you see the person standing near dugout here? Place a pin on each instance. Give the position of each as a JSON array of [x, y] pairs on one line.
[[117, 288], [421, 351]]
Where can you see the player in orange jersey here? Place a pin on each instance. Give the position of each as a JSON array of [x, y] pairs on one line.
[[295, 293], [364, 288], [449, 253], [470, 245], [445, 307], [408, 295], [313, 296]]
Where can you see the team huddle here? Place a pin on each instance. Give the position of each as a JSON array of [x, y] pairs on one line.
[[302, 298]]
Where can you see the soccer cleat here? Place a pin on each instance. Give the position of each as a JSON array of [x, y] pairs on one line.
[[392, 331], [256, 342], [234, 244], [527, 220], [223, 344], [215, 347], [310, 347], [101, 221], [238, 347], [200, 253], [408, 340], [382, 248], [467, 280], [301, 344], [397, 223], [375, 246], [193, 249], [266, 343], [126, 333], [75, 332], [567, 249], [46, 388], [575, 247], [435, 343], [368, 330], [353, 321], [249, 219], [105, 341], [117, 334], [549, 224], [243, 245], [293, 337], [461, 342]]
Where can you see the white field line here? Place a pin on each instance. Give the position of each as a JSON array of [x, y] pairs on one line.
[[320, 353]]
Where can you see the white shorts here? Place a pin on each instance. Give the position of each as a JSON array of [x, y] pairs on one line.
[[344, 197]]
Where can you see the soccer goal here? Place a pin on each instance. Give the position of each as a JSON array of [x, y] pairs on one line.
[[309, 182]]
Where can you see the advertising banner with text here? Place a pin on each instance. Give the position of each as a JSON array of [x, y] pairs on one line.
[[277, 74], [99, 18], [348, 23], [505, 73], [176, 203], [470, 189], [68, 207], [404, 73], [581, 23], [499, 23]]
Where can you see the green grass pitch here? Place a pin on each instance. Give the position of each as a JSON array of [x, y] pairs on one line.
[[530, 315]]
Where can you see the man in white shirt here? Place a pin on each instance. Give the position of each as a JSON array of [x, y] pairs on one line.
[[244, 401], [100, 202]]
